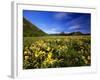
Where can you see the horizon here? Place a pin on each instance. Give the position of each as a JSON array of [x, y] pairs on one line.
[[56, 22]]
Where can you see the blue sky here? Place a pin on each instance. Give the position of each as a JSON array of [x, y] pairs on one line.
[[57, 22]]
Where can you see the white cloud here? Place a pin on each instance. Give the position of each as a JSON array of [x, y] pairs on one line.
[[75, 22], [52, 31], [60, 15], [75, 27]]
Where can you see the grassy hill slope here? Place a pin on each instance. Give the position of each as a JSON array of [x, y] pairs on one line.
[[30, 30]]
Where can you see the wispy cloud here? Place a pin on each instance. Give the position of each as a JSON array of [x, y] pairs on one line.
[[61, 16], [75, 21], [51, 28], [74, 27], [75, 24], [52, 31]]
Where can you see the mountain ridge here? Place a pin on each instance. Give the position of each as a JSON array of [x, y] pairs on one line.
[[31, 30]]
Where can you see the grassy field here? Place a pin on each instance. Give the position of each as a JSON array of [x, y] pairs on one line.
[[56, 51]]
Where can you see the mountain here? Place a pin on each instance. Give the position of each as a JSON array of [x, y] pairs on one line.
[[76, 33], [30, 30], [70, 34]]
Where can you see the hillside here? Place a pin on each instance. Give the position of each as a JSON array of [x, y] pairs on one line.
[[30, 30]]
